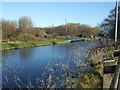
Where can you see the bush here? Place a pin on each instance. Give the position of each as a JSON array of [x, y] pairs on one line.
[[89, 81], [26, 37]]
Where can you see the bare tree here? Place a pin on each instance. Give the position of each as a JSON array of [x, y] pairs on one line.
[[108, 23], [25, 24], [8, 28]]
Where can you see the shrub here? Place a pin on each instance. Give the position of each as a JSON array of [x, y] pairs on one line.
[[26, 37], [89, 81]]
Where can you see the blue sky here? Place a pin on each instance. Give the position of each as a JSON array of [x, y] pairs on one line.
[[45, 14]]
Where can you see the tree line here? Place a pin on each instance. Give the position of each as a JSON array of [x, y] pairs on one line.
[[23, 30], [73, 29]]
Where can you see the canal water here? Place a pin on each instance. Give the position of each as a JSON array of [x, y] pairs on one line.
[[22, 67]]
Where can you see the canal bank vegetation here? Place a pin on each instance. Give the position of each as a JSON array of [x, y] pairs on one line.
[[24, 31], [91, 38], [103, 51], [89, 81], [12, 45], [8, 46]]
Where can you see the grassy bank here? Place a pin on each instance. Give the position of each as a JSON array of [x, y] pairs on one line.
[[8, 46], [94, 38], [31, 44]]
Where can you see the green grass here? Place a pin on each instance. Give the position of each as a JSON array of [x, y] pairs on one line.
[[34, 44], [30, 44], [90, 38]]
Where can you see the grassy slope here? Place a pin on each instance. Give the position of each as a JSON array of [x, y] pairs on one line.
[[30, 44], [90, 38], [34, 44]]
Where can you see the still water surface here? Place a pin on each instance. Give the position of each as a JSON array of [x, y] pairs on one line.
[[30, 63]]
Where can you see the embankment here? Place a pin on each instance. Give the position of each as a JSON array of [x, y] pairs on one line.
[[31, 44], [9, 46]]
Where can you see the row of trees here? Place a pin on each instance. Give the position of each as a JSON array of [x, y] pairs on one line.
[[73, 29], [109, 23], [23, 30]]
